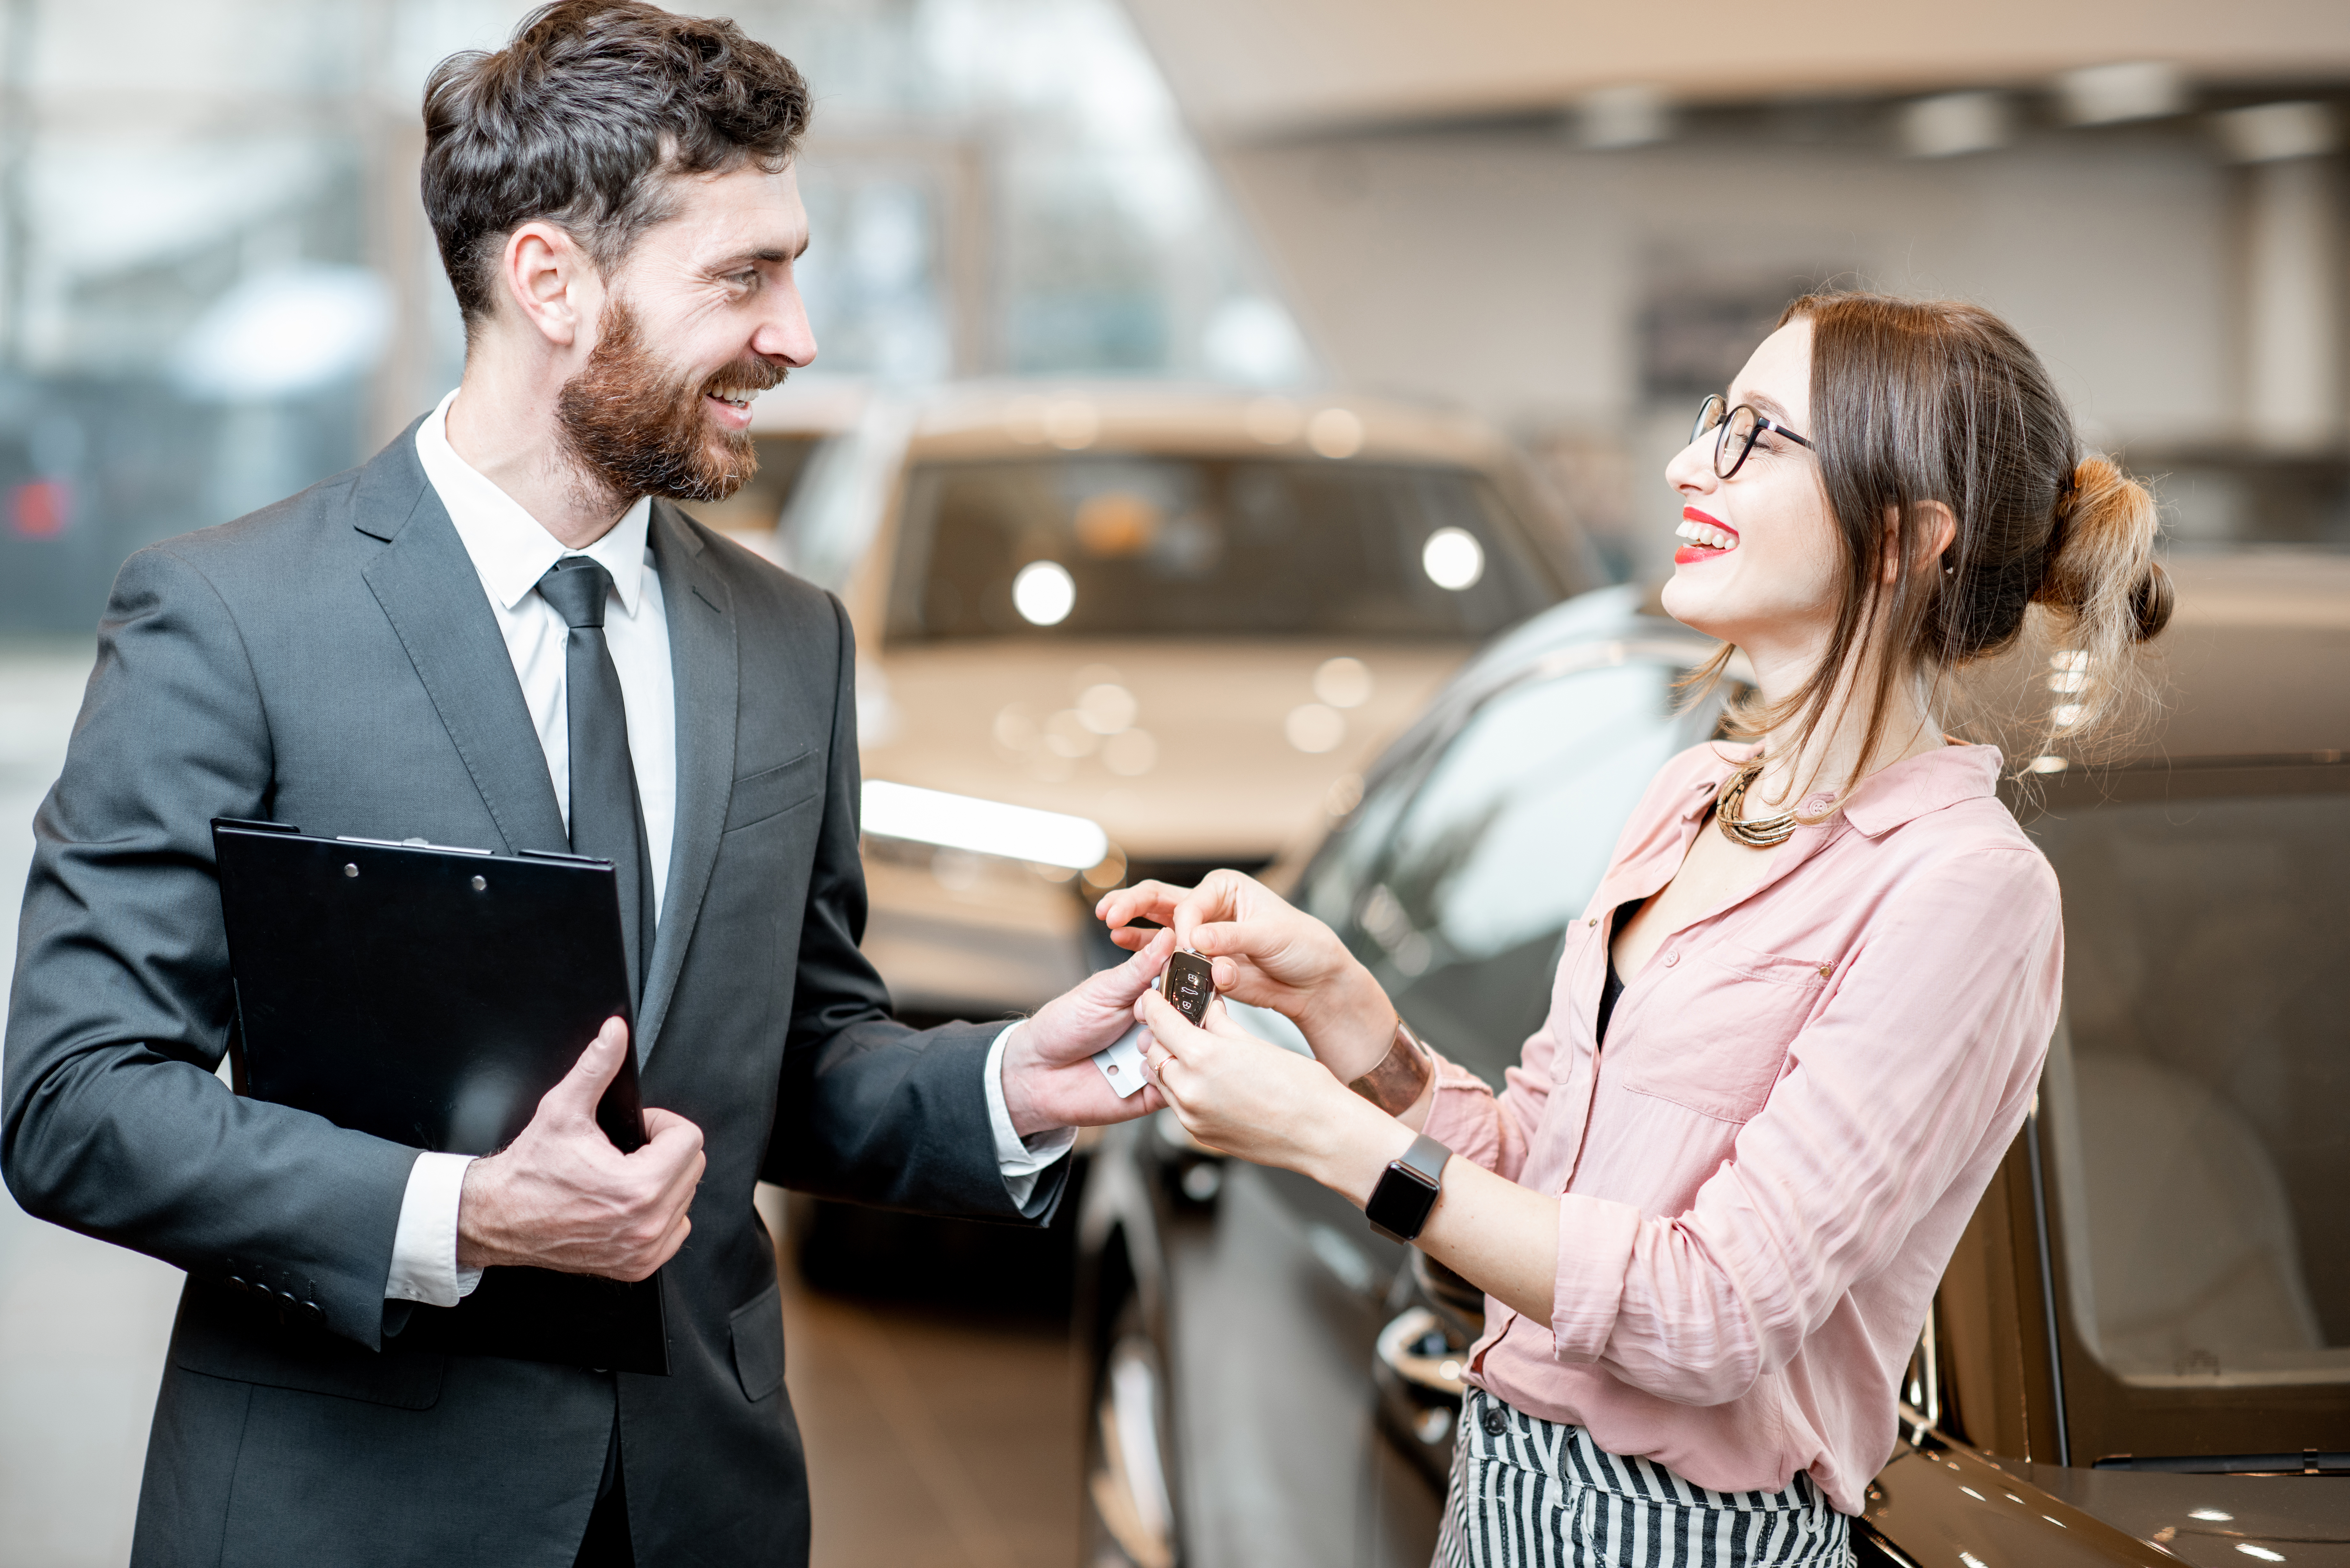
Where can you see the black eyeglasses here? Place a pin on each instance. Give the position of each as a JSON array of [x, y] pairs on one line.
[[1741, 428]]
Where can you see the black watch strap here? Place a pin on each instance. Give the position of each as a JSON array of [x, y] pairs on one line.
[[1400, 1205]]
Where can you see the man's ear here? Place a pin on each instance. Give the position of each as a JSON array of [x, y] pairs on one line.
[[549, 281], [1936, 526]]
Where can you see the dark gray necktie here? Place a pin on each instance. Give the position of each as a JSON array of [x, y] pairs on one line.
[[607, 819]]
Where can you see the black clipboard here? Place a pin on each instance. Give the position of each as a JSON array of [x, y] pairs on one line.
[[430, 995]]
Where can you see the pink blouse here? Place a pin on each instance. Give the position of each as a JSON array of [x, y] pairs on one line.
[[1802, 1098]]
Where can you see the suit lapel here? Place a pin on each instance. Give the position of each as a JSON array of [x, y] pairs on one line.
[[707, 670], [432, 596]]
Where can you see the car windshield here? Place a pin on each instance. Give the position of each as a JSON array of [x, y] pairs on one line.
[[2196, 1094], [1455, 879], [1103, 544]]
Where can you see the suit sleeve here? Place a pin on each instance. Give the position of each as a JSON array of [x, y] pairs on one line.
[[868, 1109], [111, 1121]]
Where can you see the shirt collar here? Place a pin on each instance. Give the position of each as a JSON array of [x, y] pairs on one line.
[[510, 548], [1902, 793]]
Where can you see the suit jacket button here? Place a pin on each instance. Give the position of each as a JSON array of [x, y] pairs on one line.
[[314, 1312], [235, 1284]]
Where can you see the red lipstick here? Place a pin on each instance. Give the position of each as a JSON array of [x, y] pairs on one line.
[[1690, 551]]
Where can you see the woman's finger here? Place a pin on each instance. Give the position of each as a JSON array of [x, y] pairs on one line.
[[1168, 1027], [1147, 899], [1218, 897]]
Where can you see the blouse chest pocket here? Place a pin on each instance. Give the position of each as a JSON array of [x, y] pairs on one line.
[[1716, 1031]]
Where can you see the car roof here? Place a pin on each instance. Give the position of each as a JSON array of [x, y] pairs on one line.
[[2254, 664], [992, 418]]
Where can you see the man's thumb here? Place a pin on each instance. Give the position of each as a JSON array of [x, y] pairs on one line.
[[583, 1086]]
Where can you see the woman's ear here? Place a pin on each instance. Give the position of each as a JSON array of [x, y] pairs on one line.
[[1936, 526]]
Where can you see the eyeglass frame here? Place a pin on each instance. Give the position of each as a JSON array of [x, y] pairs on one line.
[[1722, 442]]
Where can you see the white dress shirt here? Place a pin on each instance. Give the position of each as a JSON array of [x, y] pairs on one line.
[[511, 551]]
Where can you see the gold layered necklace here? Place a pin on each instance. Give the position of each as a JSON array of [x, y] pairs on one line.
[[1754, 831]]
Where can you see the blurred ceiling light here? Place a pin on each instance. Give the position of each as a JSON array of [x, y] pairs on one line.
[[1107, 708], [285, 332], [1343, 682], [1066, 734], [1071, 423], [1314, 728], [1044, 593], [1335, 432], [1952, 123], [1252, 340], [1273, 420], [1618, 117], [981, 827], [2109, 95], [2046, 765], [2271, 132], [1452, 558]]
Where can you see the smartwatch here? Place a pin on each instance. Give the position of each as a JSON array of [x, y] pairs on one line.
[[1407, 1191]]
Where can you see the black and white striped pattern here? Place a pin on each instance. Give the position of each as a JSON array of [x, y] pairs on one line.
[[1531, 1493]]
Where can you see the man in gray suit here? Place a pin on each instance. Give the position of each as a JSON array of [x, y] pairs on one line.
[[500, 632]]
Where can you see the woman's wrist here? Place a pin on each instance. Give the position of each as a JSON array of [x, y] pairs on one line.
[[1356, 1143], [1350, 1024]]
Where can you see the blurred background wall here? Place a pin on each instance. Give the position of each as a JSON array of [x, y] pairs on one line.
[[217, 286], [1576, 218]]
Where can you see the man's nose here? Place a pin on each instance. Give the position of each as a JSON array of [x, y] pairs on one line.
[[784, 334]]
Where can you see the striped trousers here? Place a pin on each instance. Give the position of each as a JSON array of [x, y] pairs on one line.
[[1531, 1493]]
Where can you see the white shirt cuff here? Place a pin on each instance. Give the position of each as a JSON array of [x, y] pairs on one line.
[[1019, 1159], [424, 1247]]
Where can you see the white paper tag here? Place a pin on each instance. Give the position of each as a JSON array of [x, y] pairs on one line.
[[1121, 1063]]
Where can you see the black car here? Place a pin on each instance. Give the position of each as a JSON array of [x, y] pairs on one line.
[[2140, 1352]]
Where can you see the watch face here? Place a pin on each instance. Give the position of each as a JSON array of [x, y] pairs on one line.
[[1399, 1204]]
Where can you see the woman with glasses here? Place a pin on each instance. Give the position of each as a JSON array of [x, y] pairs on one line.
[[1801, 1020]]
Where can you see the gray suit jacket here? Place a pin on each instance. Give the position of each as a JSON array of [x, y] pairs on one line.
[[332, 662]]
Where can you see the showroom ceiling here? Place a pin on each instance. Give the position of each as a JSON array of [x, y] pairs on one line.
[[1249, 69]]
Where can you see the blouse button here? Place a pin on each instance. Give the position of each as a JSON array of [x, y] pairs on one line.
[[1593, 921], [1671, 959]]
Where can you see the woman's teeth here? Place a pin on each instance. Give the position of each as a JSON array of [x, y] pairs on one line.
[[1707, 535]]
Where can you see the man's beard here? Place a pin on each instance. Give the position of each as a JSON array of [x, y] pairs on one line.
[[630, 426]]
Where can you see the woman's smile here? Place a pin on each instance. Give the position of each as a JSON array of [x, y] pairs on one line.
[[1709, 537]]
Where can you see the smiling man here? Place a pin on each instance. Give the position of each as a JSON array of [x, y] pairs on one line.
[[503, 632]]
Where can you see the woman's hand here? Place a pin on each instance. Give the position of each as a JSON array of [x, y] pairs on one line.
[[1238, 1094], [1267, 953]]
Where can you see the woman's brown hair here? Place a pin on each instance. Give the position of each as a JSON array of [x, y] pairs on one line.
[[1924, 403]]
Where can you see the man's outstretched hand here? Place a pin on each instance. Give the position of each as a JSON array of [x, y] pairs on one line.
[[562, 1197], [1050, 1077]]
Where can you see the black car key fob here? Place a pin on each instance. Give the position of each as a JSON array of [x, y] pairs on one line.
[[1190, 982]]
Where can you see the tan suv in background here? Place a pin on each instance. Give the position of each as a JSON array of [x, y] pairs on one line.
[[1122, 631]]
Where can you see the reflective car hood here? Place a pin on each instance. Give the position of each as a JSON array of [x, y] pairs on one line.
[[1224, 781]]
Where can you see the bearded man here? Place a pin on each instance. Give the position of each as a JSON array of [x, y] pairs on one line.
[[502, 632]]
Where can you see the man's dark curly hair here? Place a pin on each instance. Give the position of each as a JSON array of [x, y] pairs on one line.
[[586, 119]]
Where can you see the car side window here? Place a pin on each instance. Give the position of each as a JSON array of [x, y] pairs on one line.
[[1455, 879]]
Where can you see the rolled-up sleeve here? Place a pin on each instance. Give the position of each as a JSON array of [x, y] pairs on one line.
[[1924, 1052]]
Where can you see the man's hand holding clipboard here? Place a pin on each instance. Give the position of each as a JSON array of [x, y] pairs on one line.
[[562, 1197]]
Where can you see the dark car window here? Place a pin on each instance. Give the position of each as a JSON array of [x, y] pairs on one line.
[[1104, 544], [2199, 1096], [1456, 876]]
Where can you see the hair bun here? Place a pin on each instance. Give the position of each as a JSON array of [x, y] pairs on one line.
[[2151, 601]]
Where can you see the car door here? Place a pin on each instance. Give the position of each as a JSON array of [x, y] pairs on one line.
[[1475, 843]]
